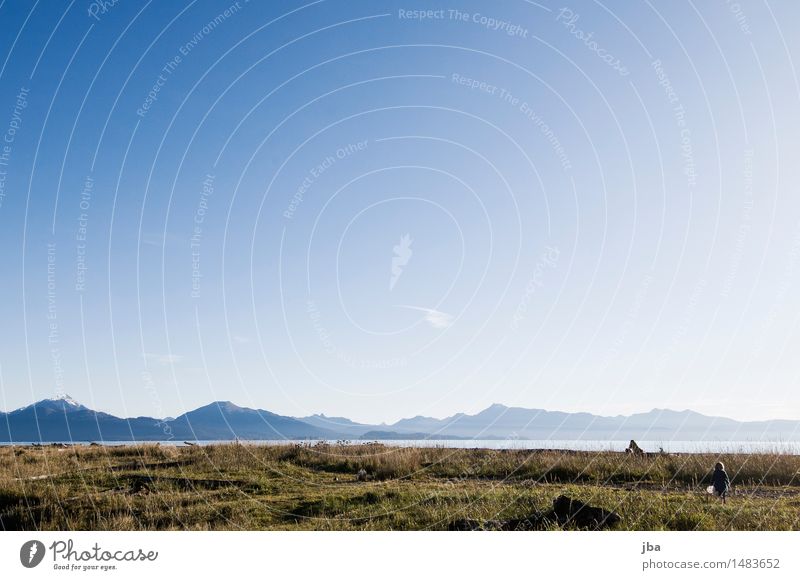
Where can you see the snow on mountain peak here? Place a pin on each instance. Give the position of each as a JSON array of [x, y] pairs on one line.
[[68, 400]]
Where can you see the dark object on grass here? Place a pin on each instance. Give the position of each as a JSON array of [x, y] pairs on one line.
[[140, 485], [530, 523], [526, 524], [465, 526], [634, 449], [567, 510]]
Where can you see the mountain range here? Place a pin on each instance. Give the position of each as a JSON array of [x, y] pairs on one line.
[[64, 419]]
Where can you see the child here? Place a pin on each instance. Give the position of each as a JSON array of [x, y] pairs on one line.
[[720, 481]]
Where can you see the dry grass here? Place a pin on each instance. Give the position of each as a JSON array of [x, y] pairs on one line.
[[316, 487]]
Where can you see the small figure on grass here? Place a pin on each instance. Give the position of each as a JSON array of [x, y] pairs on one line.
[[720, 482]]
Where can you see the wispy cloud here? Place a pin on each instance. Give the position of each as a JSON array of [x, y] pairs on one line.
[[153, 239], [161, 240], [436, 318], [163, 359]]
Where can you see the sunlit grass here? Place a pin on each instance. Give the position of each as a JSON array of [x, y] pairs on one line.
[[317, 487]]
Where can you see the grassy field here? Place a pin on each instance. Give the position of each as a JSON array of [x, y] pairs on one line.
[[303, 487]]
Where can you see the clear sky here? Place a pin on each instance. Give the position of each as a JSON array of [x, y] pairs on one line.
[[381, 209]]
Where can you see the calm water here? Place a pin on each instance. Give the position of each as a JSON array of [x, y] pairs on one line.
[[784, 447]]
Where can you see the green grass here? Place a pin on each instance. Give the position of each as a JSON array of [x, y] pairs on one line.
[[243, 487]]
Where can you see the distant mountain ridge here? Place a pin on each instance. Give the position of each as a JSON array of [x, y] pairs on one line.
[[64, 419]]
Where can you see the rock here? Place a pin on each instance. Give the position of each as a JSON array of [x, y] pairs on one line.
[[565, 511], [465, 526], [532, 522], [568, 510], [140, 485]]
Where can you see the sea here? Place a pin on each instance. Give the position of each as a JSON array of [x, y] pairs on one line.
[[747, 447]]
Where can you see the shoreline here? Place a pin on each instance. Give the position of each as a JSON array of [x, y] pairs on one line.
[[651, 449]]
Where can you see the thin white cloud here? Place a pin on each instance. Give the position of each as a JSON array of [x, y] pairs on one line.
[[153, 240], [436, 318], [161, 240], [163, 359]]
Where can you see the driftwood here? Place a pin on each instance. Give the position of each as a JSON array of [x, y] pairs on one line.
[[634, 449]]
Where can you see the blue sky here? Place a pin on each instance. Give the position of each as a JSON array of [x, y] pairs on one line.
[[385, 209]]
